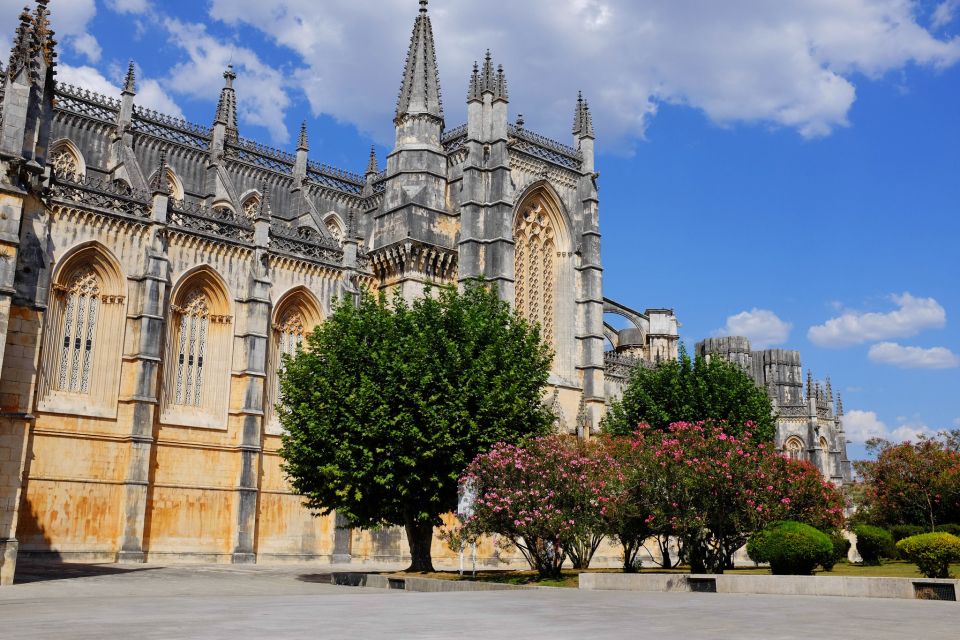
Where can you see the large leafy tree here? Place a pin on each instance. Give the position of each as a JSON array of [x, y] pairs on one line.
[[686, 390], [390, 401], [912, 482]]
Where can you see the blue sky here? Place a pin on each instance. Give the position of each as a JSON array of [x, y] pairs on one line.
[[785, 170]]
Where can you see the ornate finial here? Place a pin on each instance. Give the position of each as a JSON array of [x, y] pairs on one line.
[[839, 405], [809, 384], [520, 121], [302, 144], [582, 120], [487, 82], [473, 90], [500, 91], [829, 392], [21, 52], [423, 6], [229, 76], [372, 167], [159, 184], [130, 82]]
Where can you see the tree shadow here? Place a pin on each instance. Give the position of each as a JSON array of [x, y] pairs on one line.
[[34, 571]]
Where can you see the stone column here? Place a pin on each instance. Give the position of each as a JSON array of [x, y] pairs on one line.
[[143, 355]]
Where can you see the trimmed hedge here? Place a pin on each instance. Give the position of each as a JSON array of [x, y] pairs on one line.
[[951, 528], [931, 552], [841, 547], [874, 543], [791, 548], [901, 531]]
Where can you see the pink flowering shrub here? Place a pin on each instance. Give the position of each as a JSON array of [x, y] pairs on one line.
[[713, 490], [549, 497]]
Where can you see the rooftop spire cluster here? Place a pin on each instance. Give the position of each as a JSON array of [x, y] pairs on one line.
[[582, 119]]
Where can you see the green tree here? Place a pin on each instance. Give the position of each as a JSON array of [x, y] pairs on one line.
[[389, 402], [686, 390]]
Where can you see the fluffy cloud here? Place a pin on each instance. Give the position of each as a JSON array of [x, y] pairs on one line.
[[129, 6], [790, 64], [149, 92], [261, 93], [912, 316], [762, 326], [860, 426], [913, 357], [944, 13]]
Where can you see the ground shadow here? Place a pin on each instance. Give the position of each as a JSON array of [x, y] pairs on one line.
[[319, 578], [28, 571]]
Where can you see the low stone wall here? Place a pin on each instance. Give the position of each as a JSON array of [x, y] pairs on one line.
[[846, 586], [411, 583]]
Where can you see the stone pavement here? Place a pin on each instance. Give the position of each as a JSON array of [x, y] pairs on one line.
[[294, 601]]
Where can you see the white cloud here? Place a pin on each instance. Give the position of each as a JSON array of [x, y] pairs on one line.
[[88, 46], [913, 357], [853, 327], [149, 92], [944, 13], [261, 92], [129, 6], [860, 426], [789, 64], [762, 326]]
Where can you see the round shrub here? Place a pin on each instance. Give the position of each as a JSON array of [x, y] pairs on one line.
[[874, 543], [931, 552], [841, 547], [791, 548]]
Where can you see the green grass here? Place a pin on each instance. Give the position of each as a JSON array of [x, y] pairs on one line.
[[570, 579]]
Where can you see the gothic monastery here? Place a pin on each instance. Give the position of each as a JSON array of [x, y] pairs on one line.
[[152, 272]]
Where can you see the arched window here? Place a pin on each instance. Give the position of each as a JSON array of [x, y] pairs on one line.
[[793, 448], [295, 316], [825, 456], [539, 236], [251, 206], [83, 335], [197, 364], [66, 161], [334, 227]]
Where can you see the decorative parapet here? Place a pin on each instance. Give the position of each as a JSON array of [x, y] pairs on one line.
[[797, 411], [306, 243], [176, 130], [86, 103], [220, 223], [260, 155], [412, 256], [454, 138], [544, 148], [100, 194], [327, 176], [616, 365]]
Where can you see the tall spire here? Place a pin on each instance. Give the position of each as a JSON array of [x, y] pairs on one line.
[[302, 142], [420, 90], [839, 405], [582, 119], [130, 82], [227, 107]]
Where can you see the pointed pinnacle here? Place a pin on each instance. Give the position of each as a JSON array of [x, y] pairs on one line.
[[302, 143], [473, 90], [229, 76], [263, 211], [130, 82], [420, 88], [159, 184], [372, 167]]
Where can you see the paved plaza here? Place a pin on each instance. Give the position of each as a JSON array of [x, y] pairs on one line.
[[277, 602]]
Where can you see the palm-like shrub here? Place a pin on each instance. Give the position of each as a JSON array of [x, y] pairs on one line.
[[931, 552]]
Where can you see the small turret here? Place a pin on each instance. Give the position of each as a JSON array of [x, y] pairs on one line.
[[303, 149]]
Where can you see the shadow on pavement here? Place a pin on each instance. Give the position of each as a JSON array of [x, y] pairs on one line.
[[319, 578], [42, 572]]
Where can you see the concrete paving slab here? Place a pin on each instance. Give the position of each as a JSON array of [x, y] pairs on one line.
[[240, 603]]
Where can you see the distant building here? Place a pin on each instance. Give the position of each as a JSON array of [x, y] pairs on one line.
[[809, 426]]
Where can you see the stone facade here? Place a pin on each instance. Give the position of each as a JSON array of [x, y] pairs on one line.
[[809, 425], [152, 271]]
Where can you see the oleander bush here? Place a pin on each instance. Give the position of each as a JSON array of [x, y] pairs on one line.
[[874, 543], [931, 552], [791, 548]]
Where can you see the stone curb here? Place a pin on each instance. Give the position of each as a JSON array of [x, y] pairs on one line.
[[842, 586], [412, 583]]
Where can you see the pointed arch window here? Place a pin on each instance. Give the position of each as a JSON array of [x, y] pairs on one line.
[[793, 448], [295, 317], [83, 336], [535, 265], [335, 228], [196, 379], [66, 161]]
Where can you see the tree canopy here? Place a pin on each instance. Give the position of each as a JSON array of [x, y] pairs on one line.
[[390, 401], [686, 390]]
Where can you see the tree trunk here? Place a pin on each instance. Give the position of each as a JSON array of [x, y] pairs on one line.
[[419, 538]]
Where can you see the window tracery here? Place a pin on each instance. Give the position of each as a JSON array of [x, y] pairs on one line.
[[65, 163], [191, 344], [251, 206], [334, 228], [535, 267], [79, 326], [794, 448]]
